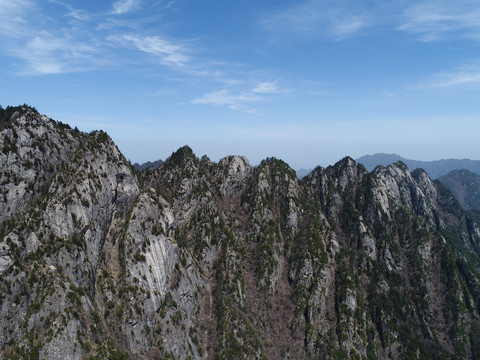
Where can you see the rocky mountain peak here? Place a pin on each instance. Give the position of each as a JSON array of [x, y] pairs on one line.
[[346, 172], [182, 156], [11, 113], [238, 167], [235, 169]]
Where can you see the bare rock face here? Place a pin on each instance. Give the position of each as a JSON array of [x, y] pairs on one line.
[[201, 260], [32, 150]]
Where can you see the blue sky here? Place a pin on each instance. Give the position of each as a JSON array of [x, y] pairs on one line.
[[307, 81]]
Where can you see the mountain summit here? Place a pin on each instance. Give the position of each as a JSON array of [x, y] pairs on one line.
[[203, 260]]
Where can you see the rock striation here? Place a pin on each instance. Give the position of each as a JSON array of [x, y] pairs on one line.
[[201, 260]]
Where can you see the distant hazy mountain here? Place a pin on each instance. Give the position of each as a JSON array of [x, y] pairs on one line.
[[465, 185], [148, 165], [434, 169], [371, 161], [301, 173]]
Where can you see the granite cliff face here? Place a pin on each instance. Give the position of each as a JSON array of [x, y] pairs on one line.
[[203, 260]]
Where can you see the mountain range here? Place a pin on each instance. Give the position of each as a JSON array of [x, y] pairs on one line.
[[196, 259], [434, 169], [147, 165]]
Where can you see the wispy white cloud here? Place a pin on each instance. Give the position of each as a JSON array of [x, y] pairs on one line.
[[124, 6], [335, 20], [78, 15], [223, 97], [301, 18], [232, 101], [81, 43], [267, 88], [466, 75], [13, 16], [241, 100], [30, 36], [78, 40], [345, 28], [72, 12], [165, 51], [435, 20], [455, 79], [462, 78], [430, 20], [47, 54]]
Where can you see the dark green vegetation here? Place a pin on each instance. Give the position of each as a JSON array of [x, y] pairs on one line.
[[203, 260], [7, 114]]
